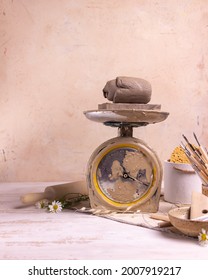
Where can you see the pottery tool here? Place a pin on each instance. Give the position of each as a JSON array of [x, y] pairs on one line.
[[199, 206], [160, 216], [56, 192], [164, 224], [198, 153], [198, 158], [202, 150], [163, 219], [196, 163], [193, 151]]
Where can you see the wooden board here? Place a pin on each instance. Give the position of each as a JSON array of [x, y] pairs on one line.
[[127, 106]]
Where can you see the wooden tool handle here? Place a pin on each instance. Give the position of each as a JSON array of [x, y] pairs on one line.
[[56, 192], [160, 216], [31, 198]]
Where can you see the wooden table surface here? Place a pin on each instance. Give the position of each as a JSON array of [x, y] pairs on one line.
[[28, 233]]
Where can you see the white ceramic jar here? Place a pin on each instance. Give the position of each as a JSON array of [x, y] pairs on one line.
[[180, 180]]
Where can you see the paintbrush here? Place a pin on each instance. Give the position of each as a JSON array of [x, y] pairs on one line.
[[192, 154], [202, 149], [203, 176], [198, 158], [193, 149]]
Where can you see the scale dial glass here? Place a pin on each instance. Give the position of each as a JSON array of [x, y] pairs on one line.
[[124, 174]]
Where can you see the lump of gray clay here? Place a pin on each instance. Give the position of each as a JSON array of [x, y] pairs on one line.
[[128, 90]]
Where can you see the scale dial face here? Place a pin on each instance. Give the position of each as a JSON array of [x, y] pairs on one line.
[[123, 174]]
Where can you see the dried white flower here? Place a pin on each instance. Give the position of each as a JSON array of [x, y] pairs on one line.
[[203, 237], [55, 207], [42, 204]]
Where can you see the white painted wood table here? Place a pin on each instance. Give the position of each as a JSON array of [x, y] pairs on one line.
[[33, 234]]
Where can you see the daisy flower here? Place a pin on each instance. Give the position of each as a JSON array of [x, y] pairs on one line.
[[55, 206], [203, 237], [42, 204]]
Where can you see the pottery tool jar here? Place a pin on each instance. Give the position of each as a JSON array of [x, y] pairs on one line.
[[180, 179]]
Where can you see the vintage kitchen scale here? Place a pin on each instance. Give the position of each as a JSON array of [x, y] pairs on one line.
[[124, 173]]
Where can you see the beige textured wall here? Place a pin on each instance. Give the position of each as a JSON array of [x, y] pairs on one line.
[[55, 58]]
